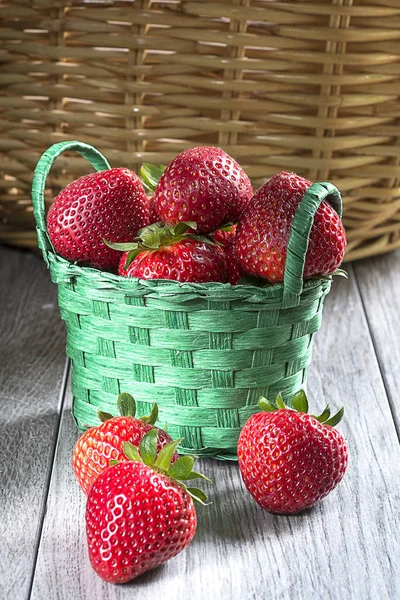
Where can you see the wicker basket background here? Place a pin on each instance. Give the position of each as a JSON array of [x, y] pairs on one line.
[[311, 86]]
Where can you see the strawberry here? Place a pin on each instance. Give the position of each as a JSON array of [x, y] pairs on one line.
[[109, 204], [226, 235], [226, 238], [204, 185], [165, 252], [288, 459], [263, 231], [233, 266], [98, 445], [154, 218], [139, 513]]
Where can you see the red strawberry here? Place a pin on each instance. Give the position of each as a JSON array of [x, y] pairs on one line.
[[226, 237], [110, 204], [154, 218], [233, 266], [165, 252], [263, 231], [289, 460], [98, 445], [204, 185], [139, 513]]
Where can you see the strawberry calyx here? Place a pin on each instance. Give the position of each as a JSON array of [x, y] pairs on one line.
[[179, 471], [156, 236], [150, 176], [299, 403], [127, 408]]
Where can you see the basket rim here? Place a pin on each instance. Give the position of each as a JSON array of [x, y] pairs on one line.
[[64, 270]]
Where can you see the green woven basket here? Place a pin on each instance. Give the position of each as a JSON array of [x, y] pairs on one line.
[[204, 352]]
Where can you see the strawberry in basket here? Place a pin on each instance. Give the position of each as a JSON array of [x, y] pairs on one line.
[[172, 252], [263, 232], [109, 204], [226, 238], [202, 184]]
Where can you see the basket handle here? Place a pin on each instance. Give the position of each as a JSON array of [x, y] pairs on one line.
[[300, 235], [98, 161]]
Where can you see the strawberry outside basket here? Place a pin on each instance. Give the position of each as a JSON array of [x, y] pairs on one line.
[[204, 352]]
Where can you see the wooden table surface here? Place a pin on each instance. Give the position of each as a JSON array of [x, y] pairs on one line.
[[346, 547]]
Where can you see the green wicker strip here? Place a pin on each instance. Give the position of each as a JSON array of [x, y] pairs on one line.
[[204, 352]]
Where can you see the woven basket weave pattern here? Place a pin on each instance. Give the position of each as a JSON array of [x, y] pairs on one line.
[[205, 360], [308, 86]]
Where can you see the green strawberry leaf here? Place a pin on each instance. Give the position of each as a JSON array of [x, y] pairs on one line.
[[336, 418], [147, 188], [149, 228], [184, 227], [341, 273], [195, 475], [150, 175], [324, 415], [165, 455], [300, 402], [148, 447], [131, 452], [152, 417], [126, 405], [280, 401], [131, 257], [266, 405], [113, 462], [122, 246], [182, 468], [226, 227], [104, 416], [151, 239], [203, 238], [198, 496]]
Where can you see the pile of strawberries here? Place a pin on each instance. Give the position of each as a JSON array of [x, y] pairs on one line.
[[140, 511], [201, 222]]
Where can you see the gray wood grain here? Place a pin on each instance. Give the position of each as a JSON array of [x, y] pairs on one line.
[[344, 548], [379, 284], [32, 360]]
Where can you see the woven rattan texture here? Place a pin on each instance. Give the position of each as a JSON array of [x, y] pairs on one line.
[[205, 354], [307, 86]]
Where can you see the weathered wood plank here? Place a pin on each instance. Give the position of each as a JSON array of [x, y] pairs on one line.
[[379, 283], [343, 549], [32, 360]]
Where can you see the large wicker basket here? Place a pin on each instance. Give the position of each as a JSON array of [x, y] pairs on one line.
[[310, 86], [204, 352]]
